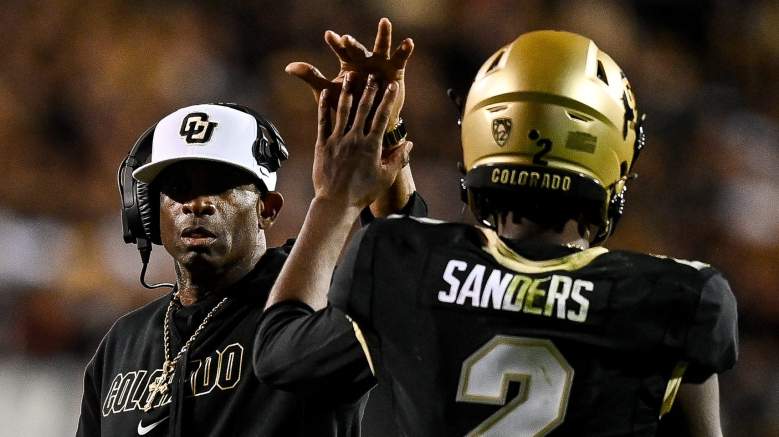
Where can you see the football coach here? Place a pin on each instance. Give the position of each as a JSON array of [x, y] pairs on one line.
[[201, 182]]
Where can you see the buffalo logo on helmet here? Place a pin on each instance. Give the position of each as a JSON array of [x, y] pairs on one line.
[[195, 128], [501, 129]]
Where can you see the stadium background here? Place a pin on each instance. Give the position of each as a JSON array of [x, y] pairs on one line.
[[80, 80]]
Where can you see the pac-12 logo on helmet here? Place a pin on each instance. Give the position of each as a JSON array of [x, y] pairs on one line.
[[501, 129], [195, 128]]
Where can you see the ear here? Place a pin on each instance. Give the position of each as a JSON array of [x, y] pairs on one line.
[[268, 207]]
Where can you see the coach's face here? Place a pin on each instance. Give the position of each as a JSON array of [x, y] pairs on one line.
[[212, 215]]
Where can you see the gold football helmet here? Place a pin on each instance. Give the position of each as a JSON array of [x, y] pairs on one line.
[[550, 130]]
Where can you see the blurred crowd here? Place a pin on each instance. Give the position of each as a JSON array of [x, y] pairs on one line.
[[81, 80]]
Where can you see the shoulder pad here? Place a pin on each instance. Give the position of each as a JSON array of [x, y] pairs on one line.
[[697, 265], [419, 219]]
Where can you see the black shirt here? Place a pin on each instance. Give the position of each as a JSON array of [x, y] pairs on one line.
[[216, 391], [468, 335], [220, 395]]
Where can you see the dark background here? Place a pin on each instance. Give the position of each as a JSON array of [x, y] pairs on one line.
[[80, 80]]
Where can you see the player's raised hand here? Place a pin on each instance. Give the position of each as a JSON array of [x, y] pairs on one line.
[[354, 56], [348, 164], [384, 64]]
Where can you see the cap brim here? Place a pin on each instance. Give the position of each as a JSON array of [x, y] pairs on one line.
[[148, 172]]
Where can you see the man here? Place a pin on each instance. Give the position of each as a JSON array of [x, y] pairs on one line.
[[518, 328], [182, 365]]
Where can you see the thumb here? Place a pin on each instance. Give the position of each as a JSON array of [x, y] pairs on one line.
[[308, 74], [406, 147], [391, 163]]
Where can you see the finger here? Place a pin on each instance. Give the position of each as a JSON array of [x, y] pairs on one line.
[[366, 103], [381, 45], [344, 105], [406, 147], [402, 54], [309, 74], [390, 165], [336, 44], [407, 153], [386, 150], [355, 49], [381, 118], [324, 125]]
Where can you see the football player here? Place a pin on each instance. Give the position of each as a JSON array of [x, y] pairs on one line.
[[524, 325]]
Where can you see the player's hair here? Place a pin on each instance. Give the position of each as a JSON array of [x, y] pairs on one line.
[[550, 132]]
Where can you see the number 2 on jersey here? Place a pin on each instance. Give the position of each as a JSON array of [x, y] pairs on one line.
[[545, 382]]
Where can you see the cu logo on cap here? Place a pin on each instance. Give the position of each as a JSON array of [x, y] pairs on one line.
[[196, 128]]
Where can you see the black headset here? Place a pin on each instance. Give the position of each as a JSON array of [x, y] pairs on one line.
[[140, 216]]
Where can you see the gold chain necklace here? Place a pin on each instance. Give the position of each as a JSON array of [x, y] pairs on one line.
[[160, 384]]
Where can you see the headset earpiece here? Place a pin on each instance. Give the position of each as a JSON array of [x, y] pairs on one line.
[[148, 207], [138, 214]]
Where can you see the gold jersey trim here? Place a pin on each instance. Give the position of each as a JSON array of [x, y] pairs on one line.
[[363, 344], [505, 256], [673, 387]]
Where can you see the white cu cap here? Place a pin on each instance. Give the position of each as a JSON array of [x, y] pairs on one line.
[[208, 132]]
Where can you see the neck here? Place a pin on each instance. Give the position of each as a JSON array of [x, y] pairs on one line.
[[526, 230], [198, 282]]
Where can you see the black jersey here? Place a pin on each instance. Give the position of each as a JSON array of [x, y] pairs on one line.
[[215, 391], [473, 334]]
